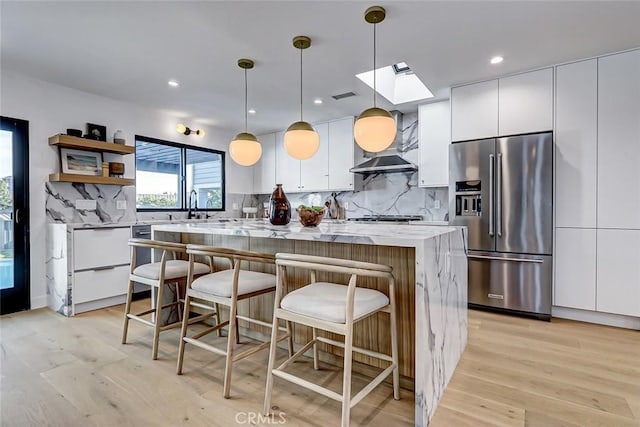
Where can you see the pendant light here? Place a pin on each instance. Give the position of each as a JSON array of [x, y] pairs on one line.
[[300, 140], [245, 149], [374, 129]]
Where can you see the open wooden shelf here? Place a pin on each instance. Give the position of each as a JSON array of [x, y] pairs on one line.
[[67, 141], [90, 179]]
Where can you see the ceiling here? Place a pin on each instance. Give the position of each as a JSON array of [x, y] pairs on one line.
[[129, 50]]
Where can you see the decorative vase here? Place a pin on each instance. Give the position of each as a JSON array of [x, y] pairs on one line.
[[118, 137], [279, 207]]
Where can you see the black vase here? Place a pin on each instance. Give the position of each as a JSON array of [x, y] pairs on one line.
[[279, 207]]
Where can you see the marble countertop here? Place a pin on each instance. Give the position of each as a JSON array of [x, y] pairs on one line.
[[80, 225], [327, 231]]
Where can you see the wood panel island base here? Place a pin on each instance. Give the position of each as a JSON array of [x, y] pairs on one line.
[[430, 266]]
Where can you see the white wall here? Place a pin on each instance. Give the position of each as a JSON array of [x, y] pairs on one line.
[[51, 109]]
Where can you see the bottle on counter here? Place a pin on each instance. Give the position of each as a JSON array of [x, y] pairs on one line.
[[279, 207]]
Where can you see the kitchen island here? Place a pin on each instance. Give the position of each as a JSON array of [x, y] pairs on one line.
[[430, 266]]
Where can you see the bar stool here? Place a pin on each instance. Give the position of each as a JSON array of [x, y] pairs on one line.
[[226, 287], [334, 308], [156, 275]]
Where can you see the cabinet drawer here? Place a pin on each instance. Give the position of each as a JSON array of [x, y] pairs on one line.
[[92, 285], [100, 247]]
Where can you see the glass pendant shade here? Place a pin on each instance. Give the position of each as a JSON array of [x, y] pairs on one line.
[[245, 149], [301, 141], [374, 130]]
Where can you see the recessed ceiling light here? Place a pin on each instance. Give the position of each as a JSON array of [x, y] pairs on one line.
[[317, 101], [251, 111], [173, 83], [496, 59]]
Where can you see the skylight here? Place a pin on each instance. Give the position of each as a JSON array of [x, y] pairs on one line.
[[397, 83]]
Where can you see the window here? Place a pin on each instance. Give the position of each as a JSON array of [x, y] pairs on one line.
[[170, 175]]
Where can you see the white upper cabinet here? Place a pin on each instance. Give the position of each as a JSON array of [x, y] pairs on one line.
[[474, 111], [314, 172], [575, 272], [341, 145], [287, 168], [264, 172], [576, 144], [619, 272], [526, 102], [434, 138], [511, 105], [327, 170], [619, 141]]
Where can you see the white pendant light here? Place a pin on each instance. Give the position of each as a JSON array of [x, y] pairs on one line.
[[300, 140], [245, 149], [374, 129]]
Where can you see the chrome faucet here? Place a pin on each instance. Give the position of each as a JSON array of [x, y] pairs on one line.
[[190, 213]]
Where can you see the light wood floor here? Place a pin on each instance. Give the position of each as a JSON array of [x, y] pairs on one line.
[[515, 372]]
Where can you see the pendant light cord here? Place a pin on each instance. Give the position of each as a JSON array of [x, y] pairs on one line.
[[245, 100], [374, 65], [301, 84]]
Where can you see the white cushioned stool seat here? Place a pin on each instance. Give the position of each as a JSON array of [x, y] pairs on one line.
[[173, 269], [220, 283], [328, 301]]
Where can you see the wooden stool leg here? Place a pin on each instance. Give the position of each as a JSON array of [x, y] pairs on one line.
[[266, 409], [315, 349], [231, 339], [178, 301], [183, 333], [127, 310], [157, 320], [290, 340], [346, 384], [218, 319], [394, 340]]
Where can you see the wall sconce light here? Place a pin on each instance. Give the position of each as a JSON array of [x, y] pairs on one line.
[[188, 131]]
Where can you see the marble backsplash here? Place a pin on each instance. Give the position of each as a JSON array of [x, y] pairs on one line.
[[385, 193], [61, 207], [382, 194], [61, 201]]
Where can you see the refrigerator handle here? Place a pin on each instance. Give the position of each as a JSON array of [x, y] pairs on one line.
[[499, 195], [491, 157]]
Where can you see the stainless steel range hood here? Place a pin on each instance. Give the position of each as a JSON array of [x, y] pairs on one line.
[[389, 160]]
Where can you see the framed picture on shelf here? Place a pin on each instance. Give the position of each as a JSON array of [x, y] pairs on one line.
[[96, 132], [80, 162]]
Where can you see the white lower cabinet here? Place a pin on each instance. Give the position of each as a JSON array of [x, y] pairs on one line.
[[100, 247], [100, 283], [100, 267], [575, 261], [618, 265]]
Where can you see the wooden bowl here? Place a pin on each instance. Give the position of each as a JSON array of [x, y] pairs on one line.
[[116, 168], [310, 217]]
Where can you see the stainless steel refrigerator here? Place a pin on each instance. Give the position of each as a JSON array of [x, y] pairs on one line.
[[502, 190]]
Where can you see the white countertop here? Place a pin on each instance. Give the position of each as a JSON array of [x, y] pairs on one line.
[[328, 231]]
